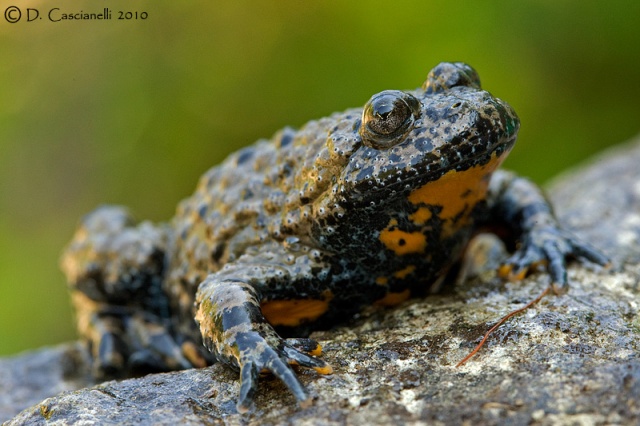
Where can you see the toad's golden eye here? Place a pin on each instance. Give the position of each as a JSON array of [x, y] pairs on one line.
[[387, 118]]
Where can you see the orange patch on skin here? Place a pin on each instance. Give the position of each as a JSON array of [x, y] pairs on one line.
[[402, 273], [392, 299], [507, 272], [327, 369], [520, 275], [401, 242], [504, 271], [421, 216], [292, 313], [317, 351], [457, 191], [190, 352], [382, 280]]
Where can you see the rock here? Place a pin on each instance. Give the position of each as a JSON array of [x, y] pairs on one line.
[[602, 201], [571, 359], [29, 378]]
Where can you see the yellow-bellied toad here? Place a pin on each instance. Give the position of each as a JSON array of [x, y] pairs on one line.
[[368, 206]]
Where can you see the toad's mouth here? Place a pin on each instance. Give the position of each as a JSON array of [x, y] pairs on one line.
[[433, 171]]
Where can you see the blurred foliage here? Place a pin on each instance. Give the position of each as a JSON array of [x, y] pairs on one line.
[[132, 112]]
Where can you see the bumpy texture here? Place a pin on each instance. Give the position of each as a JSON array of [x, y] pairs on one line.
[[366, 207]]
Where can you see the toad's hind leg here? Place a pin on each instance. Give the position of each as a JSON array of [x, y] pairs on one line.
[[115, 272]]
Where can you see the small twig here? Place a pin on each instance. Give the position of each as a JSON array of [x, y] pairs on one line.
[[502, 321]]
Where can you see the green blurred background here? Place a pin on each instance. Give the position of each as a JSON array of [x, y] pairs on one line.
[[132, 112]]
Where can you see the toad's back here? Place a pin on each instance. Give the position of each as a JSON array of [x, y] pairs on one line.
[[266, 192]]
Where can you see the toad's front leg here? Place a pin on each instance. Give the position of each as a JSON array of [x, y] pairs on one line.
[[524, 208], [236, 332]]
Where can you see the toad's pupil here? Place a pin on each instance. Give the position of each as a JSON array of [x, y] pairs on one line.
[[383, 111], [389, 116]]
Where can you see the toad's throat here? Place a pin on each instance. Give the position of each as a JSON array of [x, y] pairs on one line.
[[456, 189], [455, 193]]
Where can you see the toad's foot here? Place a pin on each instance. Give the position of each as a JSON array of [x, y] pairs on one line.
[[115, 270], [235, 331], [522, 206], [127, 342], [257, 355], [551, 245]]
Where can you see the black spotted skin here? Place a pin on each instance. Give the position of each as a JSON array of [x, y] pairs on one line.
[[365, 207]]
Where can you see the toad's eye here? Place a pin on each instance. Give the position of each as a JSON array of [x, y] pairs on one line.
[[387, 118]]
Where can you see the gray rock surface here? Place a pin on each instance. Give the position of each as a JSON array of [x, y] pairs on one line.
[[602, 201], [571, 359], [33, 376]]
